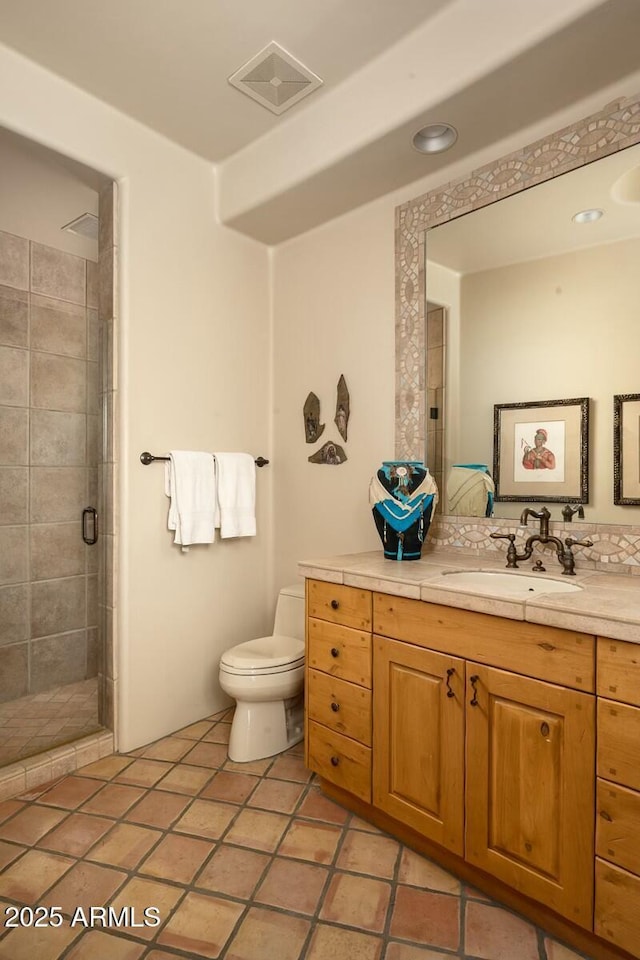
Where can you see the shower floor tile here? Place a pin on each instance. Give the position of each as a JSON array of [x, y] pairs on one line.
[[41, 721]]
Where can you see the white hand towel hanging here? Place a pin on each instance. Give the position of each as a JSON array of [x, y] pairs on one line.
[[236, 490], [190, 483]]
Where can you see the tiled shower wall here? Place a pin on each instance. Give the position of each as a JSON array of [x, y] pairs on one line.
[[49, 452]]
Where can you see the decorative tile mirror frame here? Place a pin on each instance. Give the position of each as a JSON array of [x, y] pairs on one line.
[[615, 127]]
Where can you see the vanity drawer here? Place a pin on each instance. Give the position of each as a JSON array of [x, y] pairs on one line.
[[619, 743], [341, 706], [341, 760], [619, 670], [616, 908], [538, 651], [339, 604], [618, 825], [340, 651]]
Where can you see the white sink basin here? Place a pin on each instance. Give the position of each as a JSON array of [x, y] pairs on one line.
[[494, 583]]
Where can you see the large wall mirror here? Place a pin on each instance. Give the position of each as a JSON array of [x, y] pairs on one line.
[[538, 307]]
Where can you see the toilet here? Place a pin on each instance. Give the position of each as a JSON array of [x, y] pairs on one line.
[[265, 677]]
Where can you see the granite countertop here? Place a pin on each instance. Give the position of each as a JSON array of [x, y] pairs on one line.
[[607, 604]]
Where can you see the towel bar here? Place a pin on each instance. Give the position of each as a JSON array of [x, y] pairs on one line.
[[148, 458]]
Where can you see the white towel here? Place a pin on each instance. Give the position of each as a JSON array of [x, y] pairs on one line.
[[190, 483], [236, 494]]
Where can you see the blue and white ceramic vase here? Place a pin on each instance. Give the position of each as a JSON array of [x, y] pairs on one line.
[[403, 496]]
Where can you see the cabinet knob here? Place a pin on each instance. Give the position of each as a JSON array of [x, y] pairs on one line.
[[544, 728], [335, 652], [335, 706], [335, 761], [334, 604]]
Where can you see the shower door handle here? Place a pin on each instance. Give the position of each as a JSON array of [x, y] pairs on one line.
[[90, 525]]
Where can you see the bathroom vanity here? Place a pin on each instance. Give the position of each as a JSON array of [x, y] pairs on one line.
[[498, 735]]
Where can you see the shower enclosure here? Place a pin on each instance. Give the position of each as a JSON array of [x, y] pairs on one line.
[[57, 390]]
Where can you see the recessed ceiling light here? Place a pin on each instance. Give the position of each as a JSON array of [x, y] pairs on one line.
[[587, 216], [435, 137]]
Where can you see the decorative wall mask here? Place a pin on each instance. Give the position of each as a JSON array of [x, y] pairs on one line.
[[313, 429], [342, 408], [330, 453]]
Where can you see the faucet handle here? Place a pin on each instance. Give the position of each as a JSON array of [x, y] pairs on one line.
[[572, 542], [512, 555]]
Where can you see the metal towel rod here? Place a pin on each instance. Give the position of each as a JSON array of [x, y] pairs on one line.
[[148, 458]]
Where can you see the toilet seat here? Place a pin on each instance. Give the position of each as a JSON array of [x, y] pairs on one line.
[[274, 654]]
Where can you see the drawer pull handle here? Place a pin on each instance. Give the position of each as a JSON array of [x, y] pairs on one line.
[[544, 728], [335, 706], [335, 652], [335, 761], [606, 816], [450, 673], [334, 604], [474, 700]]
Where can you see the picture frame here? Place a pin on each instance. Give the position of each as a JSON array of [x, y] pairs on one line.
[[541, 451], [626, 449]]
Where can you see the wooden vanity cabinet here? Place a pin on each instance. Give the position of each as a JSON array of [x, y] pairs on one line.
[[495, 766], [617, 882]]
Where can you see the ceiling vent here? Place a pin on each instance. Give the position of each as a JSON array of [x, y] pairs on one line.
[[275, 79], [84, 226]]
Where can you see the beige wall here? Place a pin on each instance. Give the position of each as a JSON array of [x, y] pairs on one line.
[[549, 329], [193, 373]]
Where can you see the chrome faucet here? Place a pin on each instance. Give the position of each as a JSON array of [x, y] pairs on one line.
[[563, 550]]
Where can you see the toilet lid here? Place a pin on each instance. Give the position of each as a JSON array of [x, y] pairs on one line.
[[264, 654]]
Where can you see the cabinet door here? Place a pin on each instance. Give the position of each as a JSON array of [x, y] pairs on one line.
[[530, 787], [418, 735]]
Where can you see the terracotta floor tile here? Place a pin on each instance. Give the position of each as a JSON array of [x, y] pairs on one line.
[[169, 748], [140, 893], [208, 755], [293, 886], [289, 767], [258, 829], [8, 853], [144, 773], [557, 951], [85, 885], [233, 872], [474, 894], [106, 768], [27, 878], [335, 943], [31, 824], [43, 943], [429, 918], [218, 734], [318, 807], [177, 858], [259, 767], [158, 809], [232, 787], [8, 808], [357, 824], [491, 932], [185, 779], [113, 800], [310, 841], [357, 902], [76, 834], [206, 818], [71, 792], [368, 853], [279, 795], [195, 730], [404, 951], [96, 945], [264, 933], [202, 925], [417, 871], [124, 846]]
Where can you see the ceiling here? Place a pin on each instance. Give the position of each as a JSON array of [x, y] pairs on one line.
[[387, 69]]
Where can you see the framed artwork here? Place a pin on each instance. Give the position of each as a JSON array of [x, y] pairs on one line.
[[541, 451], [626, 449]]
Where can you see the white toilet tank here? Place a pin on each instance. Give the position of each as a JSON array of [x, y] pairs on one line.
[[289, 619]]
